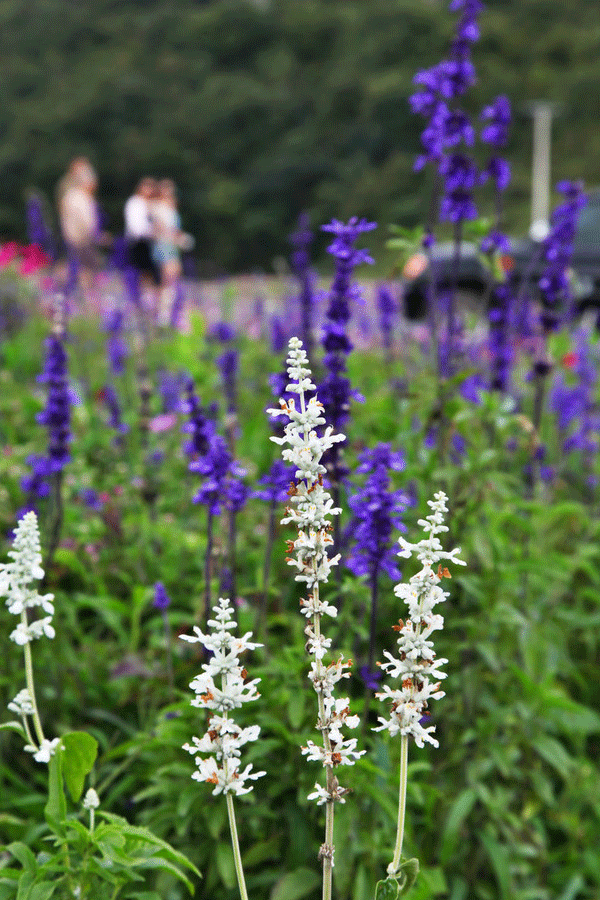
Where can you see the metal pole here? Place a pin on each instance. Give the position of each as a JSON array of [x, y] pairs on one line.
[[540, 170]]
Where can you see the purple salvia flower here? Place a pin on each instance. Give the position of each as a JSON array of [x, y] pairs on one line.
[[275, 484], [557, 251], [117, 349], [376, 513], [56, 416], [38, 231], [108, 395], [228, 367], [177, 306], [501, 351], [335, 392], [301, 241], [387, 308], [161, 600]]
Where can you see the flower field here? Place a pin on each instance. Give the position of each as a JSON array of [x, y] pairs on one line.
[[153, 532], [302, 596]]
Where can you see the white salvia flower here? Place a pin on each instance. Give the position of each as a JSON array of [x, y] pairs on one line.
[[224, 737], [310, 508], [416, 664], [15, 583], [46, 749], [22, 704], [91, 799]]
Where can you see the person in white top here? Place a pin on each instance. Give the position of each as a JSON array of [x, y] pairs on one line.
[[140, 231]]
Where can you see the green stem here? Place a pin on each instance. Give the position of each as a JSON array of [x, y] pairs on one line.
[[395, 863], [327, 849], [237, 856], [30, 684]]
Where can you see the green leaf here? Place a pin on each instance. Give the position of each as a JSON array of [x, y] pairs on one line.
[[459, 811], [55, 810], [296, 884], [226, 865], [14, 726], [43, 890], [79, 757], [24, 855], [387, 890]]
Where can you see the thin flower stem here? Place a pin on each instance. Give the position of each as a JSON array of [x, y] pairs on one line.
[[395, 863], [237, 856], [30, 684], [328, 848]]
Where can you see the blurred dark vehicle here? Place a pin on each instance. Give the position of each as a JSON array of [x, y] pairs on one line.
[[523, 264]]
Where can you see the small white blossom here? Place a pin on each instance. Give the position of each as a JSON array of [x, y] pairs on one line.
[[22, 704], [91, 799], [416, 664], [224, 737], [46, 749]]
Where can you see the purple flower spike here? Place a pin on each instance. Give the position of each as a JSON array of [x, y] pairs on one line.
[[56, 416], [161, 600]]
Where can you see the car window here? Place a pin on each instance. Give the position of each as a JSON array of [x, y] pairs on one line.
[[588, 227]]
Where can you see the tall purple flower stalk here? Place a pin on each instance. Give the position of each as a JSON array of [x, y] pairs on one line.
[[56, 418], [117, 350], [376, 515], [301, 241], [387, 308], [222, 485], [272, 489], [38, 230], [335, 391], [448, 136], [574, 403], [554, 286], [109, 397], [500, 338]]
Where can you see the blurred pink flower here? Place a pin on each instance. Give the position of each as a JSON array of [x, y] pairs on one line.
[[162, 422]]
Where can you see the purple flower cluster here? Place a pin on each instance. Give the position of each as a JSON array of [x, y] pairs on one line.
[[557, 251], [376, 513], [500, 344], [574, 404], [301, 241], [335, 392], [222, 484], [38, 230], [56, 417], [108, 395], [117, 350], [274, 486], [387, 308], [449, 130]]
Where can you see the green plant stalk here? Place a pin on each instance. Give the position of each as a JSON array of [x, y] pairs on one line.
[[327, 849], [237, 856], [30, 684], [235, 843], [395, 863]]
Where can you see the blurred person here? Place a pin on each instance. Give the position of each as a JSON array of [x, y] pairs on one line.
[[169, 241], [140, 232], [79, 219]]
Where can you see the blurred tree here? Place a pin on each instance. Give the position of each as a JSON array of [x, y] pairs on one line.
[[259, 111]]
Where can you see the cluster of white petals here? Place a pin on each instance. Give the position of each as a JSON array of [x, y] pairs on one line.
[[22, 704], [416, 665], [221, 687], [311, 505], [16, 587], [46, 749]]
